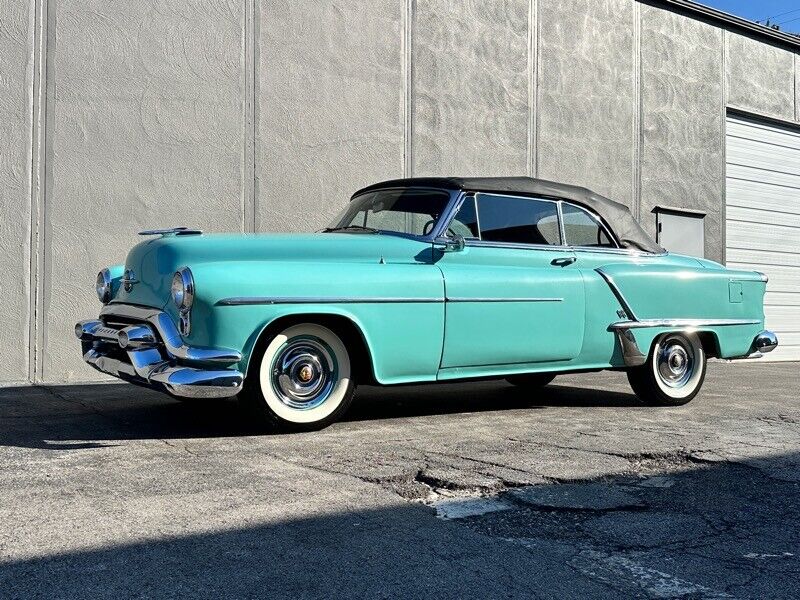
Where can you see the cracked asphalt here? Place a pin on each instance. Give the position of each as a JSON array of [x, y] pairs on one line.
[[447, 491]]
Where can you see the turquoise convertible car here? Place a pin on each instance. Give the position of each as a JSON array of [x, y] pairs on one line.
[[421, 280]]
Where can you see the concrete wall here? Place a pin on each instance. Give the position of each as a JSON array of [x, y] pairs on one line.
[[683, 120], [587, 94], [145, 128], [330, 103], [264, 115], [470, 89], [16, 114]]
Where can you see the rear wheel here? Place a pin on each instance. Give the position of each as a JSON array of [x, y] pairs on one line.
[[673, 373], [532, 380], [303, 379]]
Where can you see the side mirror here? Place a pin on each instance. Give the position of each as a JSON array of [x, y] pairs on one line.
[[450, 244]]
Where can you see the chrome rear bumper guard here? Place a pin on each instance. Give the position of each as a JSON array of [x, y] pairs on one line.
[[765, 341], [154, 351]]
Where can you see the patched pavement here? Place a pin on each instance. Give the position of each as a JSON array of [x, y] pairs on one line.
[[446, 491]]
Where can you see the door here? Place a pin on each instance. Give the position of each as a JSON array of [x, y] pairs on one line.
[[762, 220], [512, 295]]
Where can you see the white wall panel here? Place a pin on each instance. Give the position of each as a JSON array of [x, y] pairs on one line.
[[763, 219]]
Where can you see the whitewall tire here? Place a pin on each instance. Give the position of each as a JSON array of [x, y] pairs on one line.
[[674, 371], [303, 379]]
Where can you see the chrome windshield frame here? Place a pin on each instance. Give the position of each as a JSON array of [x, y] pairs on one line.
[[447, 214]]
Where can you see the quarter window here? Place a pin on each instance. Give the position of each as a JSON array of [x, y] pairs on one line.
[[517, 220], [583, 229]]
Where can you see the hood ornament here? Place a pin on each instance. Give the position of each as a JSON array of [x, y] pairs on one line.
[[172, 231]]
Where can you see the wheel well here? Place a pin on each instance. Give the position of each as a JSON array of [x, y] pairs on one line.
[[708, 339], [710, 343], [348, 331]]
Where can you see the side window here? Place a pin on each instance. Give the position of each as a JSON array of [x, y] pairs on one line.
[[465, 223], [518, 220], [582, 229]]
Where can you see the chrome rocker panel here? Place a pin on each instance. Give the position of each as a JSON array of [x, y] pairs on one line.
[[155, 352]]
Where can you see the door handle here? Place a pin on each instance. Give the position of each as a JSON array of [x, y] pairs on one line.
[[563, 261]]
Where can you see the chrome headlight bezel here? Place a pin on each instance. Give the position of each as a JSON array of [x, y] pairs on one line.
[[182, 289], [102, 286]]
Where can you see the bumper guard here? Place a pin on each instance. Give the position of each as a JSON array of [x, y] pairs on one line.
[[143, 346]]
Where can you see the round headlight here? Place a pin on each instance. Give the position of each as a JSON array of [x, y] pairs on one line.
[[183, 289], [103, 286]]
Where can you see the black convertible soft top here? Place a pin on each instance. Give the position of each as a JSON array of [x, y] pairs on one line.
[[618, 216]]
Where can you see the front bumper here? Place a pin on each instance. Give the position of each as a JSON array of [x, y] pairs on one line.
[[142, 346]]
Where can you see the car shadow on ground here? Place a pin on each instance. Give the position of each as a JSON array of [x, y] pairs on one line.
[[478, 396], [708, 530], [81, 416]]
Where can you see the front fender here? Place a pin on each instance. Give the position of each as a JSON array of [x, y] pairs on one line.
[[399, 308]]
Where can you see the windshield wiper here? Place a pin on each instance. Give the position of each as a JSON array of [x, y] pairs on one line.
[[360, 228]]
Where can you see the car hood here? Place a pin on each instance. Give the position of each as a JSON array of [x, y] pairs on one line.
[[154, 261]]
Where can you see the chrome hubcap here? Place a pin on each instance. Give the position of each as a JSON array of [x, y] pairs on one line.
[[675, 362], [303, 373]]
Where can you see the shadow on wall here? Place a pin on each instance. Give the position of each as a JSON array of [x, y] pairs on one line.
[[114, 412], [723, 527]]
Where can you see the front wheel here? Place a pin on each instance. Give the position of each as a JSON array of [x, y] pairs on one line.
[[302, 381], [673, 373]]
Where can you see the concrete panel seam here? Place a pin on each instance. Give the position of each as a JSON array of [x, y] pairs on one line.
[[37, 188], [724, 208], [49, 35], [256, 104], [248, 204], [638, 133], [796, 108], [533, 26], [407, 66], [531, 50]]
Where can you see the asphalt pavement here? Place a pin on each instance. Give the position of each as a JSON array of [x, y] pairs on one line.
[[478, 490]]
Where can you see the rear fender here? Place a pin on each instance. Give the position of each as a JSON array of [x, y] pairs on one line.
[[724, 306]]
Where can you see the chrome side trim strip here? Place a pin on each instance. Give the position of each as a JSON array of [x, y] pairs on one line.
[[758, 277], [459, 299], [688, 323], [515, 246], [250, 301], [618, 293], [246, 301]]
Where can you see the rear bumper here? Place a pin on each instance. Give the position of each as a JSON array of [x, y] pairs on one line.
[[142, 346], [765, 341]]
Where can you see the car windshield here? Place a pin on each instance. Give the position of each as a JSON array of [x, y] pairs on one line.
[[407, 211]]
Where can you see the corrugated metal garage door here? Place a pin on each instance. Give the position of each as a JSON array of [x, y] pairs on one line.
[[763, 220]]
